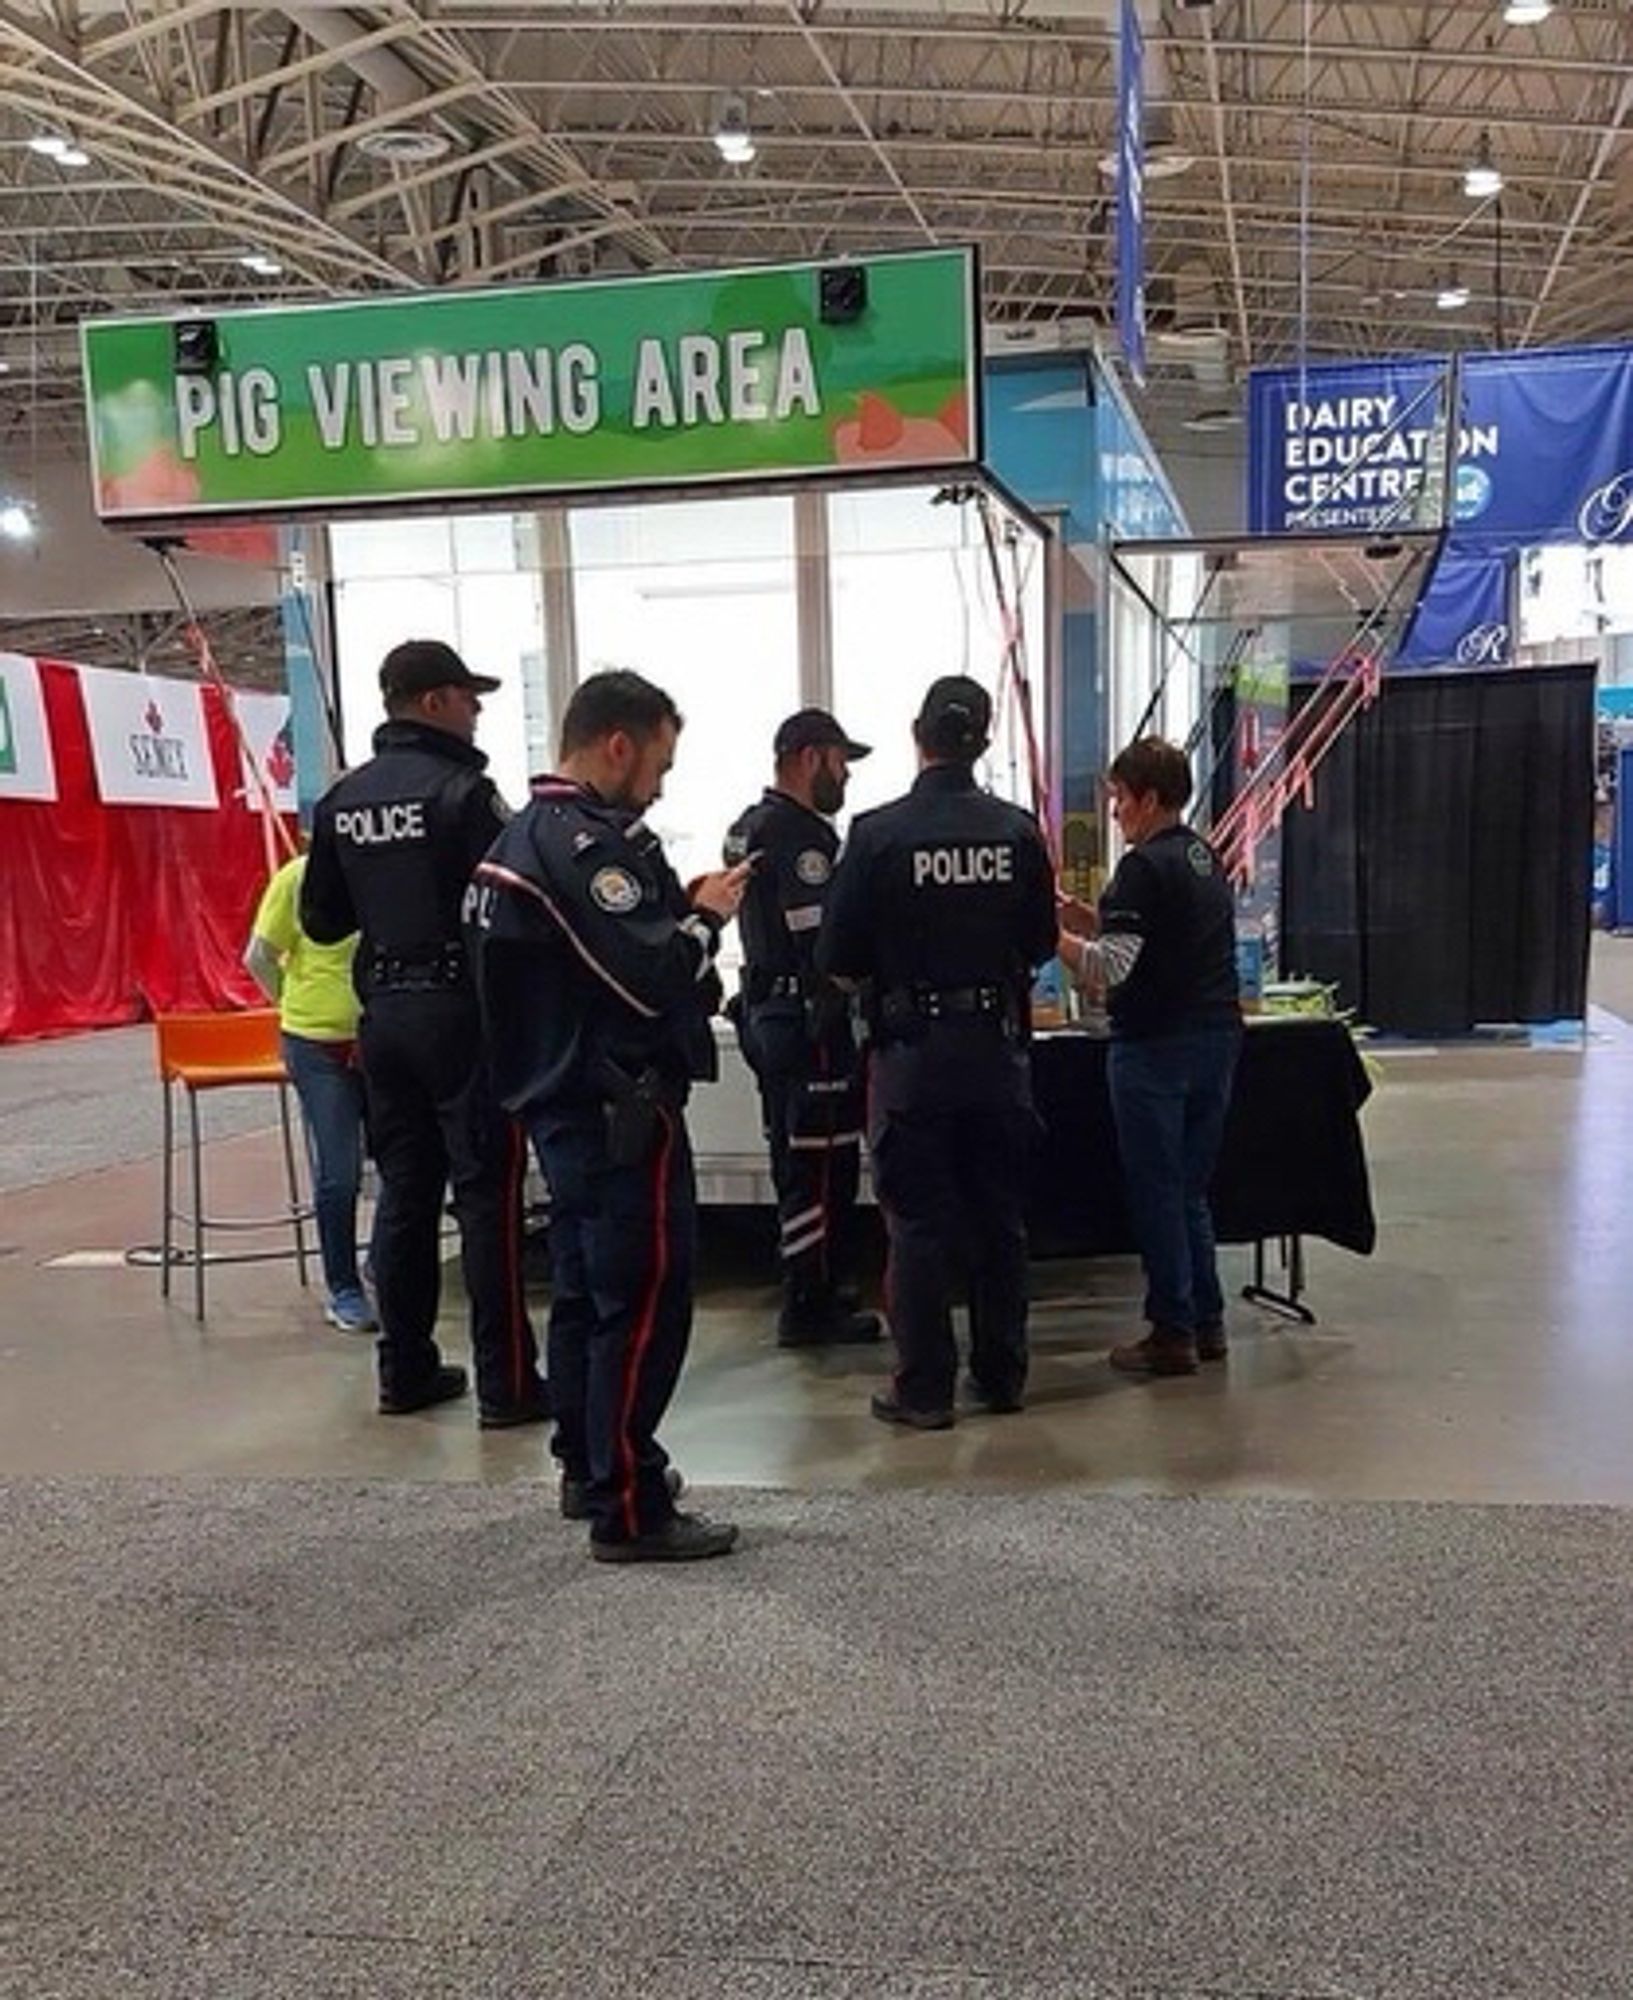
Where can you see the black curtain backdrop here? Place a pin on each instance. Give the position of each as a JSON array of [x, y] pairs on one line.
[[1442, 877]]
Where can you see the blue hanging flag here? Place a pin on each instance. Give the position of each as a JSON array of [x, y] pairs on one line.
[[1131, 190]]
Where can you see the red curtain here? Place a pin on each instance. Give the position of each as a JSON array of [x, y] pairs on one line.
[[111, 913]]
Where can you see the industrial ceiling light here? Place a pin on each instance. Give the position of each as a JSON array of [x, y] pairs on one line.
[[17, 521], [1164, 158], [732, 138], [53, 146], [261, 264], [405, 145], [1527, 13], [1219, 417], [1481, 178], [1452, 297]]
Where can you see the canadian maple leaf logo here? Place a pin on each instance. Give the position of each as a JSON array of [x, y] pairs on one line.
[[154, 718]]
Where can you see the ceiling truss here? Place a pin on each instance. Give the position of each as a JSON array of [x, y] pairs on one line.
[[416, 143]]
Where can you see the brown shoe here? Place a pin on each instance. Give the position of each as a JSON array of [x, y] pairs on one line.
[[1164, 1351]]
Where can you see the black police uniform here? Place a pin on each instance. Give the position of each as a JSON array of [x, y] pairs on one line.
[[797, 1036], [597, 985], [944, 902], [393, 846]]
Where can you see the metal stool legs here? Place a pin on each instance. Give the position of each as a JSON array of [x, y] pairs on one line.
[[169, 1252], [167, 1245], [297, 1214]]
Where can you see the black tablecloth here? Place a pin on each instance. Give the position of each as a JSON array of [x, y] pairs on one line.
[[1292, 1164]]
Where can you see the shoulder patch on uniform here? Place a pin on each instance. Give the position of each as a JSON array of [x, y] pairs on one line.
[[813, 867], [1200, 858], [615, 890], [736, 847]]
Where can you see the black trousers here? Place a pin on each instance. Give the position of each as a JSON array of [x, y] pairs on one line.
[[811, 1098], [435, 1124], [622, 1250], [951, 1180]]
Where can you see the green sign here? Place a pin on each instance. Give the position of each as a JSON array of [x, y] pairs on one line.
[[8, 742], [468, 395]]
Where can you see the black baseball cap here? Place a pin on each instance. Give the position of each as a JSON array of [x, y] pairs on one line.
[[955, 717], [419, 665], [815, 729]]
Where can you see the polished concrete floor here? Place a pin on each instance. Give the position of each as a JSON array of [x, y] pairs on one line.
[[1484, 1353]]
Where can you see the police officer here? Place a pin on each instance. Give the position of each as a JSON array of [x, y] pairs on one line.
[[795, 1026], [393, 846], [943, 903], [597, 980]]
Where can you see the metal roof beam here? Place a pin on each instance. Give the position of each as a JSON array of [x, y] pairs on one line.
[[122, 101]]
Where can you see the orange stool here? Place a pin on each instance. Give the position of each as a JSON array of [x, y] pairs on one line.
[[221, 1052]]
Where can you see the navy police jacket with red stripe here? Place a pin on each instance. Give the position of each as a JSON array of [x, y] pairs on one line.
[[587, 955]]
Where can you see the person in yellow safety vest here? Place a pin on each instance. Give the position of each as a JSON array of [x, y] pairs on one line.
[[311, 985]]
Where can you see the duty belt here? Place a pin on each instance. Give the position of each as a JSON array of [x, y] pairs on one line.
[[760, 987], [908, 1013], [416, 968], [931, 1003]]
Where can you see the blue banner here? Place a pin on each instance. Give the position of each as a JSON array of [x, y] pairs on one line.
[[1344, 447], [1131, 190], [1545, 446], [1463, 616]]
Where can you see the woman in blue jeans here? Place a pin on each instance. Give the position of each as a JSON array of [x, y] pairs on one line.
[[1162, 947], [317, 1009]]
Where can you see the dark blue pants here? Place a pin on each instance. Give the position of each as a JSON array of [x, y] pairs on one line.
[[436, 1125], [622, 1249], [1169, 1094], [952, 1185], [813, 1110], [330, 1088]]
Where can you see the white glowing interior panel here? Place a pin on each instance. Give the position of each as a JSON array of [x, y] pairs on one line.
[[1575, 593], [700, 598], [913, 597], [435, 578]]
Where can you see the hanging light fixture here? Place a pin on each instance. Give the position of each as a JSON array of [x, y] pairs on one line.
[[1527, 13], [1453, 296], [1482, 179], [732, 138], [53, 146]]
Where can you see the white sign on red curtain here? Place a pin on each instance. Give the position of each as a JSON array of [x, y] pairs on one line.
[[149, 742], [27, 768], [267, 750]]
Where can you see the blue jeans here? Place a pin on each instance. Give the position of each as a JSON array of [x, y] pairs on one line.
[[330, 1088], [1169, 1095]]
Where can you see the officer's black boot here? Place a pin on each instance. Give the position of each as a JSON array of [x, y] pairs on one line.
[[444, 1384], [821, 1319]]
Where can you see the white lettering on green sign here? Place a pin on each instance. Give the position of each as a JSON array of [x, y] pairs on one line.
[[404, 402]]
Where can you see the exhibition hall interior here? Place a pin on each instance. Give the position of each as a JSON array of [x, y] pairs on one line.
[[816, 999]]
